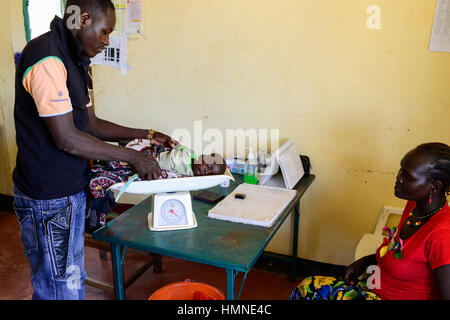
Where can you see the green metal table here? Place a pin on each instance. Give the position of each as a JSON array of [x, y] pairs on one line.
[[232, 246]]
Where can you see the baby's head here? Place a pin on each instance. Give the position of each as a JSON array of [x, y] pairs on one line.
[[207, 165]]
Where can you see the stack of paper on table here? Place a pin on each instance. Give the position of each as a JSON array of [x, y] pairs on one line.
[[261, 207]]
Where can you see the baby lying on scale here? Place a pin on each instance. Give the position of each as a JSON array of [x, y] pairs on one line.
[[182, 160], [175, 163]]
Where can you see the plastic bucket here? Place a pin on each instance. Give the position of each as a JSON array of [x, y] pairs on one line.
[[187, 290]]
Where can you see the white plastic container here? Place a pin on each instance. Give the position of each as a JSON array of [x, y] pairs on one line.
[[226, 183]]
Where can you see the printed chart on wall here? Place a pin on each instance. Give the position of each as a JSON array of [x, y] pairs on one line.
[[440, 37], [134, 17], [129, 21]]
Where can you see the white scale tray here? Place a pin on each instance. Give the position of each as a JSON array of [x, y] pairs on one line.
[[174, 184]]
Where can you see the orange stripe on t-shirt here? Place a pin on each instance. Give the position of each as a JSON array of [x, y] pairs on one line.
[[46, 81]]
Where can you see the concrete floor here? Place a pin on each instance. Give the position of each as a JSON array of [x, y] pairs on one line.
[[15, 273]]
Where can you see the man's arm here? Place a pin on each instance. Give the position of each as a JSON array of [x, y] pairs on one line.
[[71, 140], [442, 274], [108, 131]]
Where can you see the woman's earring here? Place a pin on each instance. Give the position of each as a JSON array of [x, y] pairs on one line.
[[430, 198]]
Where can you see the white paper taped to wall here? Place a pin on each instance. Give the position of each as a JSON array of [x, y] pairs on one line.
[[440, 36], [134, 17], [129, 21], [114, 55]]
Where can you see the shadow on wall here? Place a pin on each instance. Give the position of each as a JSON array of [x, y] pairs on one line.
[[16, 57]]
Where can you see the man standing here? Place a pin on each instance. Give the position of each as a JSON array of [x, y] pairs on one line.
[[56, 132]]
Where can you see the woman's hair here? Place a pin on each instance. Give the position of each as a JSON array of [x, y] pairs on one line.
[[439, 157]]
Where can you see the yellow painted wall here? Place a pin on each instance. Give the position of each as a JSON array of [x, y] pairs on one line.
[[7, 132], [354, 100], [17, 25]]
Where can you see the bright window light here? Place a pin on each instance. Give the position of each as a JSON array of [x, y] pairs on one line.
[[41, 13]]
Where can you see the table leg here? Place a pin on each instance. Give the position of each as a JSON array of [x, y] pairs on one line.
[[295, 242], [117, 271], [230, 284]]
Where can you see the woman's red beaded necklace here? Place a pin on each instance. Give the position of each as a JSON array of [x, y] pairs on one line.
[[418, 220]]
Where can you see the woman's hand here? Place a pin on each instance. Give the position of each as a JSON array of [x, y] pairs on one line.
[[357, 268], [164, 140]]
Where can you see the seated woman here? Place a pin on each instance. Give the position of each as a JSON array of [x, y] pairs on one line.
[[414, 261]]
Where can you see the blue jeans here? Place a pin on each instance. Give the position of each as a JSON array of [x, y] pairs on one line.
[[52, 233]]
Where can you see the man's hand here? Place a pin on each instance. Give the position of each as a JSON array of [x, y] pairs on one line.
[[146, 167], [164, 140]]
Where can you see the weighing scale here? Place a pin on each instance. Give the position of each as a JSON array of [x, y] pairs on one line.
[[171, 211], [171, 198]]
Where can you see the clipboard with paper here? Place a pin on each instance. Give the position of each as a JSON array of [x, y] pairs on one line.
[[262, 205]]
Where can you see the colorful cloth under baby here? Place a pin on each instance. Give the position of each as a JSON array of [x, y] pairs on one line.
[[331, 288], [106, 173]]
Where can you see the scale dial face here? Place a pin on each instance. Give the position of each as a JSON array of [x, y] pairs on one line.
[[173, 212]]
